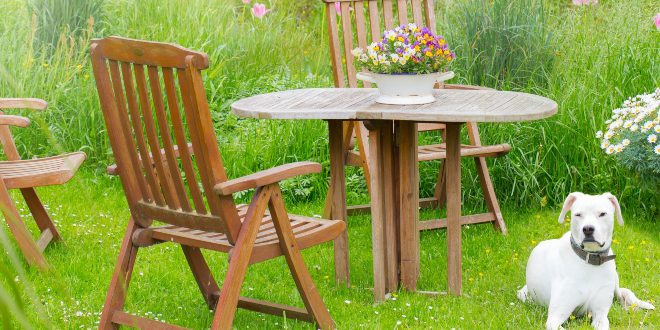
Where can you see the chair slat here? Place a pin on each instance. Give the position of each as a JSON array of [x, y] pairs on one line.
[[360, 29], [173, 176], [180, 135], [348, 43], [403, 11], [388, 14], [374, 21], [137, 127], [418, 18], [125, 126], [152, 135], [429, 12], [335, 51]]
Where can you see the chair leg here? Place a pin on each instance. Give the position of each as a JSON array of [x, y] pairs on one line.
[[440, 194], [202, 274], [489, 193], [310, 295], [23, 237], [120, 279], [240, 260], [39, 213]]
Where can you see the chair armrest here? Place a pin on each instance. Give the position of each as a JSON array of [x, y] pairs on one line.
[[14, 120], [266, 177], [34, 104], [112, 169]]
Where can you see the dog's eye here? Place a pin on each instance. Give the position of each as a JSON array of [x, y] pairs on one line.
[[578, 214], [602, 214]]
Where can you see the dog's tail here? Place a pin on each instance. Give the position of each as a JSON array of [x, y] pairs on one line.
[[628, 299]]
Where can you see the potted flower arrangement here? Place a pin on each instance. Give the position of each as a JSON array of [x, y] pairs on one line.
[[633, 136], [405, 64]]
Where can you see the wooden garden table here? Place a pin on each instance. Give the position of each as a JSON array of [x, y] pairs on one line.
[[393, 158]]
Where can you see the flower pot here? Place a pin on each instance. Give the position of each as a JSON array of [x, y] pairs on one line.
[[404, 88]]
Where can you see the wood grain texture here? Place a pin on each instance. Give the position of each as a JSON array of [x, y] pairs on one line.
[[359, 104], [453, 182], [266, 177]]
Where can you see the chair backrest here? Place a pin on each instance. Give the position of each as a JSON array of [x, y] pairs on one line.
[[153, 103], [365, 17]]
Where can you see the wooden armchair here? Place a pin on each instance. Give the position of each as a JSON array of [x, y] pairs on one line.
[[147, 116], [26, 175], [364, 18]]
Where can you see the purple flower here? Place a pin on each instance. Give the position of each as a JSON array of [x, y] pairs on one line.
[[656, 19]]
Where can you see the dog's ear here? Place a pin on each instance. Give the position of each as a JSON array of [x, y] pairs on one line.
[[617, 207], [568, 203]]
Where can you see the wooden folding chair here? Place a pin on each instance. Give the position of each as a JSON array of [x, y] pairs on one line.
[[27, 175], [153, 100], [364, 16]]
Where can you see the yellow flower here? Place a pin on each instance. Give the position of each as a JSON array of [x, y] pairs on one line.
[[401, 39], [615, 241], [45, 65], [428, 54]]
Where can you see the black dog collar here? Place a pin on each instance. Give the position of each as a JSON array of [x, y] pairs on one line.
[[593, 258]]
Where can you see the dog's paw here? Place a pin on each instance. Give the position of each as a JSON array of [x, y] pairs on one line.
[[522, 294]]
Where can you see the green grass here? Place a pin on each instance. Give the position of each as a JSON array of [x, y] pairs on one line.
[[588, 59], [91, 213]]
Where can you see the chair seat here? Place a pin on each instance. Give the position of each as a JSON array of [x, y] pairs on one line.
[[40, 171], [308, 232], [439, 151]]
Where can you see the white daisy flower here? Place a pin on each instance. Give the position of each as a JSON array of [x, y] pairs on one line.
[[657, 128], [604, 144], [599, 134], [618, 148], [610, 150], [657, 149], [634, 128], [625, 142], [652, 138]]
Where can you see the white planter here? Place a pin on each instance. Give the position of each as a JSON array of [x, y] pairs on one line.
[[405, 88]]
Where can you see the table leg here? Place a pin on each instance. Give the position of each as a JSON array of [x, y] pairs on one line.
[[453, 177], [408, 185], [383, 223], [338, 208]]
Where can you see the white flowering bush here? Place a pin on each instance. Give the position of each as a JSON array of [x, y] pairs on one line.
[[633, 135]]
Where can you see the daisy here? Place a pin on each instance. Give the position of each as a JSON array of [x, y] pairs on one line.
[[652, 138]]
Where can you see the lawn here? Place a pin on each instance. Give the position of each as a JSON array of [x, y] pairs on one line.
[[91, 213], [588, 59]]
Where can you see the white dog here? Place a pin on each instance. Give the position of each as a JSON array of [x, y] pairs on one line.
[[576, 273]]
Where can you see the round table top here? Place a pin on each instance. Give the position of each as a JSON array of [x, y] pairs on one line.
[[451, 105]]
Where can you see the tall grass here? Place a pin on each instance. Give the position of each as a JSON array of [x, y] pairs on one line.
[[587, 59], [55, 18]]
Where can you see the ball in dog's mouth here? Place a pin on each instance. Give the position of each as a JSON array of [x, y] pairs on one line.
[[589, 243]]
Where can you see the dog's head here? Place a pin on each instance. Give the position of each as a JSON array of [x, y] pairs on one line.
[[592, 219]]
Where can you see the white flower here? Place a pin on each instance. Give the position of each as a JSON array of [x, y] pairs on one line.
[[605, 144], [625, 142], [599, 134], [395, 57], [657, 149], [357, 52], [618, 148], [609, 150], [634, 128], [657, 128], [609, 135], [652, 138], [627, 124]]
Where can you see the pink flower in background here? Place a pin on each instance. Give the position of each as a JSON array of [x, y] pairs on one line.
[[585, 2], [259, 10], [246, 1], [338, 8], [656, 19]]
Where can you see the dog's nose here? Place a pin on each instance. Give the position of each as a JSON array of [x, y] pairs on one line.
[[588, 230]]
